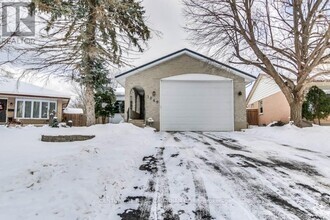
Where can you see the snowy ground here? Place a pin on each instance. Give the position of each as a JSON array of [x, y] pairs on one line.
[[132, 173]]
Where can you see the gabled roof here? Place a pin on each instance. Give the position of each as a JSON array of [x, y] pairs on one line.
[[13, 87], [248, 77], [263, 87]]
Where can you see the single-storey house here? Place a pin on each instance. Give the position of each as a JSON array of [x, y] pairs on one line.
[[186, 91], [29, 104], [270, 103]]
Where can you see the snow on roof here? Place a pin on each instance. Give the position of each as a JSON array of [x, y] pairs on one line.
[[15, 87], [327, 91], [73, 111], [120, 91]]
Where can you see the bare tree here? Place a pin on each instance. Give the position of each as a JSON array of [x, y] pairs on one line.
[[286, 39], [79, 101], [82, 39]]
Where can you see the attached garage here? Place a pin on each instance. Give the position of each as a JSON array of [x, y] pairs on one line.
[[186, 91], [196, 102]]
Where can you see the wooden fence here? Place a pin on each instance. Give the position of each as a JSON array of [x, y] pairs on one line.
[[78, 120], [252, 116]]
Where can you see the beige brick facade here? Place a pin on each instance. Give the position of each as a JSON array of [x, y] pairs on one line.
[[149, 80]]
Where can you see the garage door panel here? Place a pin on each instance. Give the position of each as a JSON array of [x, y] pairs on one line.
[[196, 105]]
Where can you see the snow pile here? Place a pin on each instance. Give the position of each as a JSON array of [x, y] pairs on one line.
[[17, 87], [313, 138], [73, 111], [79, 180]]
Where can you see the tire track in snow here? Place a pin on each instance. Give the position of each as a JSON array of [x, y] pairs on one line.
[[202, 210], [242, 178], [158, 185], [141, 213], [159, 206], [202, 200], [163, 189]]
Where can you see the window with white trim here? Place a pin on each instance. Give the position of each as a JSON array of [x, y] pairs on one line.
[[34, 109]]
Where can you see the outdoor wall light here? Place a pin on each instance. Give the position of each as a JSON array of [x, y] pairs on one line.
[[240, 93], [154, 93]]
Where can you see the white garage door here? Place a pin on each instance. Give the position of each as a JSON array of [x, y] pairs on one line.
[[196, 102]]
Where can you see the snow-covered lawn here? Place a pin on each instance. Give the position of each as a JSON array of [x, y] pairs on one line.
[[127, 172]]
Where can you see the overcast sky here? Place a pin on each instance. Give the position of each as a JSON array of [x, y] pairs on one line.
[[165, 16]]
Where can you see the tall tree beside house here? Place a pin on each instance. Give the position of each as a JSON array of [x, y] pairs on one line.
[[80, 35], [288, 40], [317, 105]]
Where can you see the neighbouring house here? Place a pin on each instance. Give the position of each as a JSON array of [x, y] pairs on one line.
[[186, 91], [29, 104], [266, 102]]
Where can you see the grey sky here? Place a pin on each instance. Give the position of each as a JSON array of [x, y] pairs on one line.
[[165, 16]]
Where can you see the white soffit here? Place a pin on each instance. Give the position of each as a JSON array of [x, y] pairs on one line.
[[196, 77], [265, 88]]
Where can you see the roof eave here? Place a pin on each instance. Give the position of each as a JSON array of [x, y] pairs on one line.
[[121, 78], [34, 95]]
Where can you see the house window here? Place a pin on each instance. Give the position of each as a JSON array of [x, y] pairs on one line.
[[28, 109], [44, 110], [19, 109], [261, 107], [52, 107], [34, 109]]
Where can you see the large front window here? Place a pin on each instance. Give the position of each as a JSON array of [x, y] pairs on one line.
[[34, 109]]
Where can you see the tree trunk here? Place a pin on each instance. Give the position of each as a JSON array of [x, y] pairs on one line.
[[103, 119], [89, 62], [296, 113], [90, 105]]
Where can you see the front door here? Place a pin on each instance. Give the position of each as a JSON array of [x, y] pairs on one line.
[[3, 110]]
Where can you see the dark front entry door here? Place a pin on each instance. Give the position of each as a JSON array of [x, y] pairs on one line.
[[3, 110]]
